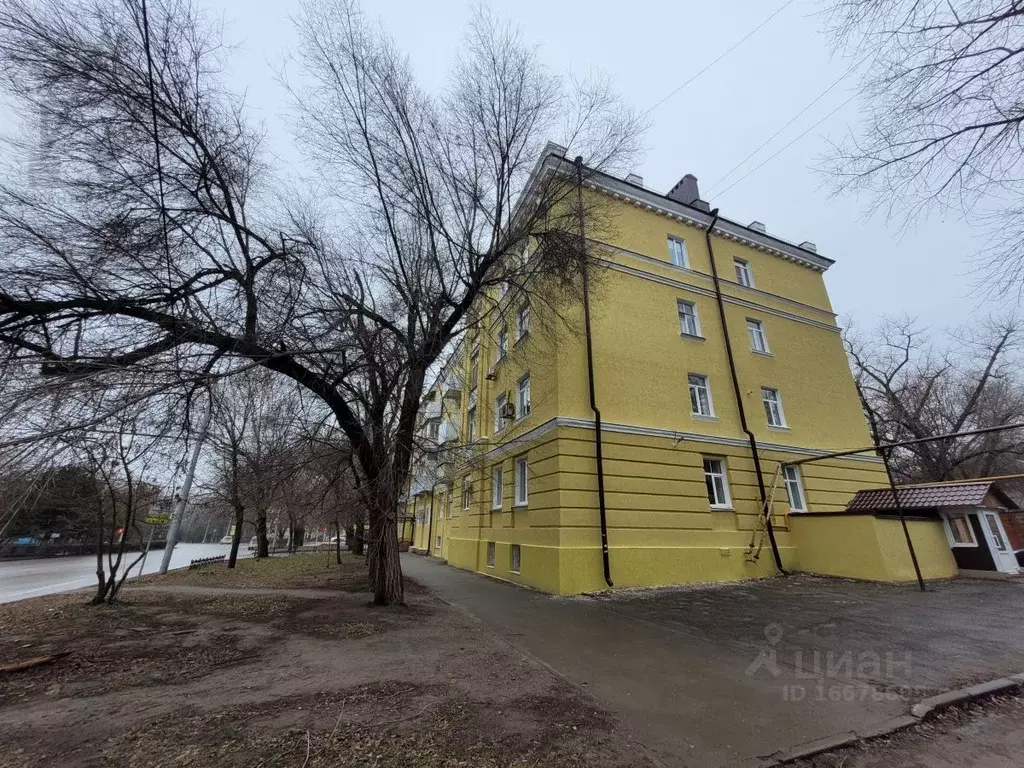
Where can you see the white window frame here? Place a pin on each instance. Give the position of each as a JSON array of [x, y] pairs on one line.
[[471, 424], [723, 474], [948, 527], [755, 331], [516, 558], [522, 481], [744, 274], [502, 343], [794, 480], [694, 388], [500, 401], [523, 406], [491, 554], [467, 493], [777, 402], [497, 487], [696, 332], [522, 321], [678, 255]]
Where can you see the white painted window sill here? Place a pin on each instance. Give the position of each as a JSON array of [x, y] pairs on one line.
[[782, 428], [691, 336], [718, 508], [759, 353], [704, 417]]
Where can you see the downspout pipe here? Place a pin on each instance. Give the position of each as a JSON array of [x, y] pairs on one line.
[[590, 379], [739, 394]]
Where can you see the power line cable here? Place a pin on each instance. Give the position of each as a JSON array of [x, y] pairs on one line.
[[736, 45], [787, 146], [789, 122]]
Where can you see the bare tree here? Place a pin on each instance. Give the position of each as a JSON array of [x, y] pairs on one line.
[[119, 256], [917, 388], [943, 114]]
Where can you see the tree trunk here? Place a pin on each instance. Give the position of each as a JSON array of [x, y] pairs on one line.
[[300, 536], [236, 540], [337, 539], [385, 566], [101, 580], [262, 544]]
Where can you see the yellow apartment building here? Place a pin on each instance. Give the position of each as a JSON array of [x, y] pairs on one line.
[[514, 492]]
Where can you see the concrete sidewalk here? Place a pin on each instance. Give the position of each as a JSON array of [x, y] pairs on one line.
[[730, 675]]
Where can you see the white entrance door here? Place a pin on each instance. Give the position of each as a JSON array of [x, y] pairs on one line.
[[992, 525]]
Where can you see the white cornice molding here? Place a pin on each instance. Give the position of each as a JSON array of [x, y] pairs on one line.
[[652, 201], [517, 444]]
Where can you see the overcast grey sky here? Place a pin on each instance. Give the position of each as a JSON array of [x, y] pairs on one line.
[[649, 49]]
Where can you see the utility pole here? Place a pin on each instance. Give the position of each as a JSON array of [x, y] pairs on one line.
[[186, 486]]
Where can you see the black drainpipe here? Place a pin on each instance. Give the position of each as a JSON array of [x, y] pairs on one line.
[[739, 394], [590, 379]]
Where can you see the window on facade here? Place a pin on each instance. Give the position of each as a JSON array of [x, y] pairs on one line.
[[523, 396], [677, 252], [497, 487], [471, 417], [437, 542], [522, 321], [502, 342], [717, 483], [451, 505], [700, 395], [996, 531], [960, 531], [502, 289], [794, 489], [432, 428], [743, 274], [474, 369], [773, 407], [490, 554], [689, 323], [517, 559], [499, 405], [521, 479], [758, 341], [467, 493]]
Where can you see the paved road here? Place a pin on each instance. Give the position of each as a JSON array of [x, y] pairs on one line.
[[22, 578], [729, 676]]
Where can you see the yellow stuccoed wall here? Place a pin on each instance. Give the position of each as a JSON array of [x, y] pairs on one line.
[[661, 529]]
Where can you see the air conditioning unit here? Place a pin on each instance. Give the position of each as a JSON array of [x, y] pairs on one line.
[[508, 411], [492, 373]]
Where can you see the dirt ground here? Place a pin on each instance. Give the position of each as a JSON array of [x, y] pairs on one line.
[[283, 662], [988, 733]]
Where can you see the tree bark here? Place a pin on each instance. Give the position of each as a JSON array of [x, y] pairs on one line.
[[262, 544], [236, 540]]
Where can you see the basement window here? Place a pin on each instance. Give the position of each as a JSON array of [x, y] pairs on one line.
[[490, 554], [517, 558]]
